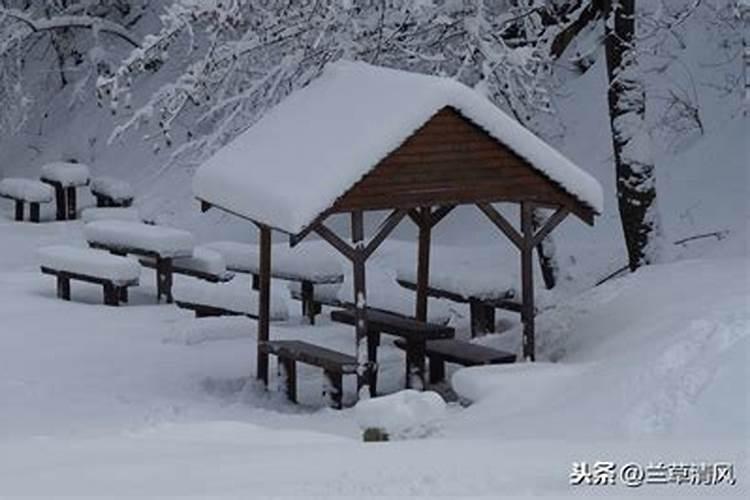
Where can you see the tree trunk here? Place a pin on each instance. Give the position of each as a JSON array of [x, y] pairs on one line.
[[634, 167]]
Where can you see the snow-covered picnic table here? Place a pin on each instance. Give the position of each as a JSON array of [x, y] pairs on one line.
[[28, 191], [111, 192], [163, 244], [65, 177], [308, 265]]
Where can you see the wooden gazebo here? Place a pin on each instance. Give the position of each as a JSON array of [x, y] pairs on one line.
[[362, 138]]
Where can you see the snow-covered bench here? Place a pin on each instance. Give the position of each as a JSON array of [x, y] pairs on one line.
[[67, 263], [304, 265], [111, 192], [163, 244], [205, 264], [225, 299], [65, 177], [26, 191], [110, 213]]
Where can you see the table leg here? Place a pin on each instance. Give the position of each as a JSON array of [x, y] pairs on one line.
[[415, 365], [19, 210], [289, 374], [110, 294], [164, 278], [335, 389], [123, 295], [70, 195], [34, 212], [63, 287], [437, 369]]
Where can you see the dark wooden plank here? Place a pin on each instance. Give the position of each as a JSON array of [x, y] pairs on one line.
[[193, 273], [84, 277], [466, 353], [393, 324], [204, 311], [311, 354]]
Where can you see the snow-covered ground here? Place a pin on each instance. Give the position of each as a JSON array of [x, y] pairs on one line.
[[97, 400]]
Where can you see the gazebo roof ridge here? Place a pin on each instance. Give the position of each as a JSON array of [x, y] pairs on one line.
[[307, 152]]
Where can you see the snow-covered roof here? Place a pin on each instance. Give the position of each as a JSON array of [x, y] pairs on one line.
[[302, 155]]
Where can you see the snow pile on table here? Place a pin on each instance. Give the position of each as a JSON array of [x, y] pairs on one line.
[[120, 270], [116, 189], [66, 173], [235, 296], [403, 415], [199, 330], [303, 261], [166, 241], [26, 189], [110, 213], [306, 152], [203, 260]]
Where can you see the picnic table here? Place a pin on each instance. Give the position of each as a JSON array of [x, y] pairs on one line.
[[301, 265], [163, 244], [415, 334], [65, 177]]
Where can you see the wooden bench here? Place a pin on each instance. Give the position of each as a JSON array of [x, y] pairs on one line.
[[415, 333], [334, 364], [207, 299], [110, 192], [459, 352], [481, 309], [114, 273], [23, 191]]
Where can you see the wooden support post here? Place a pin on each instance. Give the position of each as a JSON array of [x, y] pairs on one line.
[[63, 287], [309, 309], [70, 198], [19, 210], [110, 294], [423, 261], [367, 372], [527, 280], [264, 301], [34, 212]]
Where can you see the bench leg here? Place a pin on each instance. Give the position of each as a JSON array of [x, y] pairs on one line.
[[482, 318], [63, 287], [19, 210], [164, 279], [110, 295], [415, 365], [34, 212], [308, 302], [99, 201], [334, 389], [123, 294], [70, 198], [288, 368], [437, 369], [256, 282], [373, 342]]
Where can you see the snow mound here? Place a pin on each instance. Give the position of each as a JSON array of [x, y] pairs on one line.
[[110, 213], [26, 189], [67, 174], [292, 164], [200, 330], [403, 415]]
